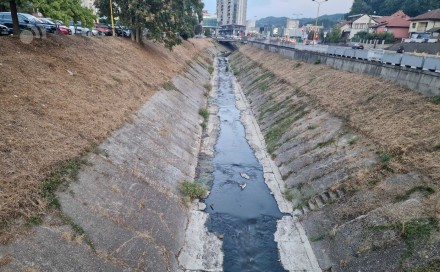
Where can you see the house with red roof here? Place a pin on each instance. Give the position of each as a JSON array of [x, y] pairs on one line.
[[426, 25], [398, 24]]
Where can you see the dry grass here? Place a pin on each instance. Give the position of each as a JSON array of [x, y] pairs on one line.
[[399, 120], [48, 116]]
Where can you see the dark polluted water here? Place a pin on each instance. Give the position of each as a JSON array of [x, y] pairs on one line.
[[245, 217]]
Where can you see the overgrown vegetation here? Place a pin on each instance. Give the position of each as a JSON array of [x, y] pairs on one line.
[[414, 233], [326, 143], [78, 231], [436, 100], [205, 114], [169, 86], [280, 128], [193, 189], [288, 195], [424, 190], [317, 238], [67, 172]]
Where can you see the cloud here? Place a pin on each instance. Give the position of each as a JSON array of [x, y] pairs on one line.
[[278, 8]]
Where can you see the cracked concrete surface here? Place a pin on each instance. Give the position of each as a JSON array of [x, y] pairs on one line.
[[126, 198]]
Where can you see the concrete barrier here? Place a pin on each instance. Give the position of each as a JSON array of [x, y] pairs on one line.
[[432, 64], [375, 54], [424, 81], [412, 61], [361, 54], [392, 58], [349, 53], [340, 51]]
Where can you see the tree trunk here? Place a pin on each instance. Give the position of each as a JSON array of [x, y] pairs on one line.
[[16, 26]]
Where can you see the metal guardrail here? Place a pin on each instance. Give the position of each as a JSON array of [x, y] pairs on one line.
[[431, 63]]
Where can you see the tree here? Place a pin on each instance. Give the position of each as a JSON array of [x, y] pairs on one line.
[[388, 7], [207, 32], [65, 10], [335, 35], [166, 21]]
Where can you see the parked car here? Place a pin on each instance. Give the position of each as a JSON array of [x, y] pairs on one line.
[[77, 29], [48, 24], [122, 31], [4, 30], [357, 46], [23, 22], [104, 29]]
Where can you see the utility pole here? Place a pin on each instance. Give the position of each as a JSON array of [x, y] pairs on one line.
[[315, 34], [111, 17]]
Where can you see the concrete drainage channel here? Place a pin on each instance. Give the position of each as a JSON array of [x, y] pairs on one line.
[[250, 226]]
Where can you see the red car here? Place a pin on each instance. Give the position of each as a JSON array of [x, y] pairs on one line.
[[64, 30], [104, 29]]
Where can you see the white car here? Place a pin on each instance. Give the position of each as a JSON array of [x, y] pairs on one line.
[[78, 29]]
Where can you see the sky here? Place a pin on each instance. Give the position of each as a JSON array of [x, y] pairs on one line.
[[258, 9]]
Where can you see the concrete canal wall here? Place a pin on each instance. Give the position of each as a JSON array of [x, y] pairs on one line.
[[125, 212], [338, 140], [417, 79]]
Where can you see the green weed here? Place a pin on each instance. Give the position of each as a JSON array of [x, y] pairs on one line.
[[204, 113], [326, 143], [169, 86], [425, 190], [34, 220], [288, 195], [436, 100], [78, 230], [193, 189], [67, 172], [281, 127], [317, 238]]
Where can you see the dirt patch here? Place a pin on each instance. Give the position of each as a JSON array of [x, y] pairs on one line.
[[61, 95]]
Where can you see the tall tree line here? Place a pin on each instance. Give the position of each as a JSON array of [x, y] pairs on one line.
[[64, 10], [388, 7], [166, 21]]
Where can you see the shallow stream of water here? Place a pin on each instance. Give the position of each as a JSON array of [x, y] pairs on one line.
[[241, 210]]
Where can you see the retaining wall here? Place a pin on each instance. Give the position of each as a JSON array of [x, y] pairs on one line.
[[419, 80]]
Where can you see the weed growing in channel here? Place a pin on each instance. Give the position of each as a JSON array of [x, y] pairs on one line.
[[424, 190], [436, 100], [288, 195], [67, 172], [193, 189]]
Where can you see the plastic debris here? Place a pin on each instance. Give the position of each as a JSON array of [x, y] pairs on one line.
[[245, 176]]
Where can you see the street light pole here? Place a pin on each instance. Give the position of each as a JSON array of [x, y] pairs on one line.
[[317, 16], [111, 16]]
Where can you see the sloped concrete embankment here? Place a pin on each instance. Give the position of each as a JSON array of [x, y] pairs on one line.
[[361, 209], [125, 211]]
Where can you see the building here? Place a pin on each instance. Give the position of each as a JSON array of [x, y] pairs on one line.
[[362, 22], [209, 22], [397, 24], [231, 16], [90, 4], [426, 25], [251, 28], [292, 29]]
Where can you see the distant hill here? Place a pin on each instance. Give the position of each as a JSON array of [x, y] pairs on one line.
[[326, 20]]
